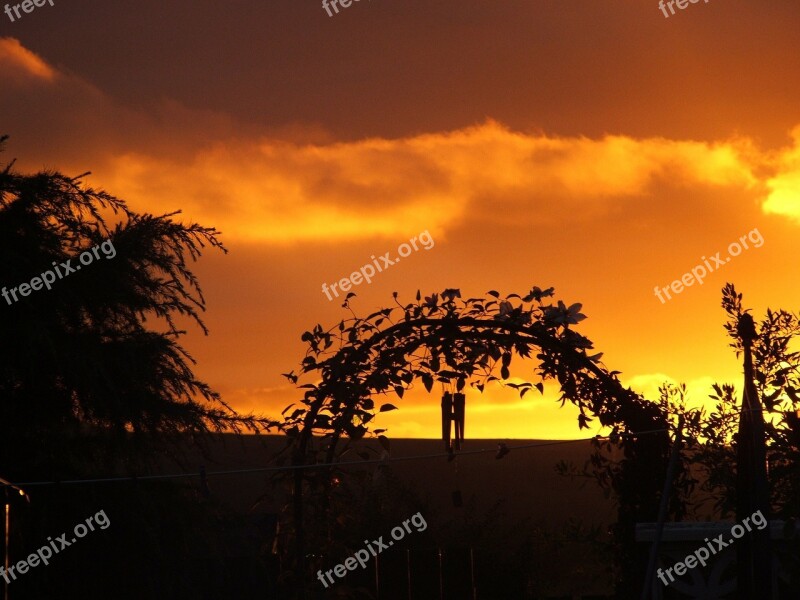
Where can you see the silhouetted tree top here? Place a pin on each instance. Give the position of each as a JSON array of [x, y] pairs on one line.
[[78, 358]]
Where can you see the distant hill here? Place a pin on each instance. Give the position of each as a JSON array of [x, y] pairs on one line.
[[532, 498], [525, 479]]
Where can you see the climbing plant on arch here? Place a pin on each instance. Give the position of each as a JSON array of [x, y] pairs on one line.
[[460, 342]]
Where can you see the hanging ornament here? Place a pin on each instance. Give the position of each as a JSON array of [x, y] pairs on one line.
[[447, 412], [459, 412], [453, 413]]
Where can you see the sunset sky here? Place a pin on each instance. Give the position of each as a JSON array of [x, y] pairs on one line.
[[590, 145]]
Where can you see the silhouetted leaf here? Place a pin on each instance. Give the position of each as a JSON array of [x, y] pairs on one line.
[[427, 381]]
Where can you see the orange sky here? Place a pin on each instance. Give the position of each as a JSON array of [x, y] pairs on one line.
[[595, 147]]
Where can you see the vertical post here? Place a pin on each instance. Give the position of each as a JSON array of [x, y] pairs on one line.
[[8, 522], [300, 553], [753, 551], [472, 573], [6, 485], [441, 577], [378, 577], [662, 509], [408, 570]]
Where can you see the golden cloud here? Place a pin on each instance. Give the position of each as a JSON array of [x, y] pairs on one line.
[[19, 63], [261, 189], [280, 192]]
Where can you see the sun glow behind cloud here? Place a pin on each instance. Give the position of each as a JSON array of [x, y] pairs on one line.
[[784, 187], [277, 192]]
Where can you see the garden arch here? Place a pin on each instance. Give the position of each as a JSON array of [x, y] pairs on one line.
[[458, 342]]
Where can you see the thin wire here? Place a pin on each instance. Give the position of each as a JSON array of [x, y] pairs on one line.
[[295, 467], [4, 483]]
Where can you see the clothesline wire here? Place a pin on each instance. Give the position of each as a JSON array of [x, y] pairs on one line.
[[385, 460]]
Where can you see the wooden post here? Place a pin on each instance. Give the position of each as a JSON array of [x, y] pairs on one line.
[[472, 573], [753, 551], [441, 577], [408, 569], [378, 577], [662, 509]]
